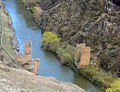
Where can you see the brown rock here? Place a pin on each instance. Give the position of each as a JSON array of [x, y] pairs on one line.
[[37, 66]]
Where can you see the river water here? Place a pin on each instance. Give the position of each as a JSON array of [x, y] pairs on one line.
[[26, 29]]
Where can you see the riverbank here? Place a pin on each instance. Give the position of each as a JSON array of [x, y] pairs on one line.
[[95, 74], [8, 42]]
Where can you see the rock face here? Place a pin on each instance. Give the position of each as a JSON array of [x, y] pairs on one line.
[[93, 22], [20, 80], [82, 55], [27, 61]]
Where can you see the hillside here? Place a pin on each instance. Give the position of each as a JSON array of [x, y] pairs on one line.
[[93, 22], [20, 80]]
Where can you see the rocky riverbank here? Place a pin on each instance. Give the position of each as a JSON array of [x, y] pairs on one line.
[[13, 77]]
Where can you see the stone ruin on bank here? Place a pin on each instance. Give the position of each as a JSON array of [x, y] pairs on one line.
[[82, 55], [26, 60]]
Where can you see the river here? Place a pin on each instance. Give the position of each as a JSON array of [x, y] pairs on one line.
[[26, 29]]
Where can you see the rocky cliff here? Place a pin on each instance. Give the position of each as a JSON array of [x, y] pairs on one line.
[[93, 22], [20, 80]]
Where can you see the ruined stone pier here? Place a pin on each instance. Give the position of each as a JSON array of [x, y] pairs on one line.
[[26, 60]]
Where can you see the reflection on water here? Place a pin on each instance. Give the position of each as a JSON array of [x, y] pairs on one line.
[[26, 29]]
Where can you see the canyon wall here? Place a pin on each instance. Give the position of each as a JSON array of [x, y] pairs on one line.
[[93, 22]]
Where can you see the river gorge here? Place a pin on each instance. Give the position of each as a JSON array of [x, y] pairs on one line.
[[26, 29]]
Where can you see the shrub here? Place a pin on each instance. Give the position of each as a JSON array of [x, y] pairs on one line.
[[60, 51], [37, 13], [33, 9], [70, 49], [115, 87], [65, 57], [51, 41], [29, 2], [116, 84]]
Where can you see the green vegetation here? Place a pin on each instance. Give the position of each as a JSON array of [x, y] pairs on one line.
[[65, 57], [51, 41], [33, 9], [29, 3], [66, 54], [8, 32], [96, 75], [115, 86]]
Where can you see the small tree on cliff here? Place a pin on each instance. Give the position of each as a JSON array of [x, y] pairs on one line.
[[51, 41]]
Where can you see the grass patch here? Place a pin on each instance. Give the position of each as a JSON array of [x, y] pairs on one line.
[[96, 75], [7, 30]]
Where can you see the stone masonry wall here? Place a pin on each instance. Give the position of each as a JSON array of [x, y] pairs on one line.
[[82, 55], [27, 62]]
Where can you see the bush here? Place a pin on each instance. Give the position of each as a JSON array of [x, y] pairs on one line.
[[65, 57], [51, 41], [37, 13], [33, 9], [70, 49], [29, 2], [115, 86], [98, 76]]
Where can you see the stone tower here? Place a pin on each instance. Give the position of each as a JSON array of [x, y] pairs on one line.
[[28, 47], [28, 53], [28, 63], [82, 55]]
